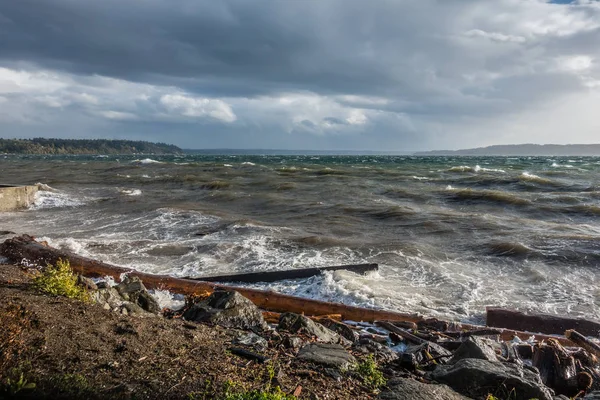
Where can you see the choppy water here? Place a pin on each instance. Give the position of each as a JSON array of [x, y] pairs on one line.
[[451, 235]]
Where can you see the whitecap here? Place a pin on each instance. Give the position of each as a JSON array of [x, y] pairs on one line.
[[147, 161], [248, 163], [47, 199], [131, 192]]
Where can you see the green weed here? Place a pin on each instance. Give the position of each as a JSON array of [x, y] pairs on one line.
[[370, 373], [59, 280]]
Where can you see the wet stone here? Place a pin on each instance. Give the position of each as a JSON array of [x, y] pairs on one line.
[[329, 354], [296, 323], [474, 347], [228, 309], [474, 378]]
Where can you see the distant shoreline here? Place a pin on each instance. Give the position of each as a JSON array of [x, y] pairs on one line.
[[550, 150]]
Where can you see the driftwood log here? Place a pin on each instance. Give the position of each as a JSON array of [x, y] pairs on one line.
[[25, 249], [273, 276], [556, 366], [583, 342], [546, 323]]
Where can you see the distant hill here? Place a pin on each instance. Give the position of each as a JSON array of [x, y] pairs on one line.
[[522, 150], [84, 146]]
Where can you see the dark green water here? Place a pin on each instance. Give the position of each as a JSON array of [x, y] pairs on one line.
[[452, 235]]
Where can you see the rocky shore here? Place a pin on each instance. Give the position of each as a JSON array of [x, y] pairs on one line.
[[119, 343]]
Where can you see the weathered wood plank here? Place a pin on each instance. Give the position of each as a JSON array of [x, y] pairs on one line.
[[273, 276], [546, 323]]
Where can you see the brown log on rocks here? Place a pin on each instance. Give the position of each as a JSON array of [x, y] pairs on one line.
[[583, 342], [273, 276], [478, 332], [545, 323], [409, 337], [21, 248], [25, 247]]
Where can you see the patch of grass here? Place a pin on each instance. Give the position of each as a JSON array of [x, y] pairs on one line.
[[16, 383], [59, 280], [370, 373], [72, 385], [276, 394]]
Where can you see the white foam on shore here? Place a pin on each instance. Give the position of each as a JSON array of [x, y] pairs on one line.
[[53, 199], [147, 161], [167, 299]]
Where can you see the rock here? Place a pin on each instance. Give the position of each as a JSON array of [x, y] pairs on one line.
[[292, 342], [330, 354], [108, 298], [381, 352], [296, 323], [252, 339], [133, 290], [229, 309], [340, 328], [476, 378], [474, 347], [102, 285], [404, 388], [425, 351], [86, 283]]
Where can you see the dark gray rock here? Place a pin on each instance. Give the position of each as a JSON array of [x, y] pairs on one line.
[[379, 351], [330, 354], [474, 347], [425, 351], [476, 378], [252, 339], [292, 342], [102, 285], [404, 389], [133, 290], [229, 309], [86, 283], [340, 328], [296, 323]]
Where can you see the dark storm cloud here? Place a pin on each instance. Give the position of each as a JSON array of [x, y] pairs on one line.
[[271, 73]]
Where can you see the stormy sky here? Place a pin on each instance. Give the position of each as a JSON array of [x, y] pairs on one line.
[[393, 75]]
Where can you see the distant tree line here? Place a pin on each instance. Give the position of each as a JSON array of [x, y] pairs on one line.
[[84, 146]]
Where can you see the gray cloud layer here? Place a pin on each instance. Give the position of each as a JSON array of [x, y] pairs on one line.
[[388, 75]]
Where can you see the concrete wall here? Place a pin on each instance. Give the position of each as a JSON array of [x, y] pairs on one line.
[[13, 197]]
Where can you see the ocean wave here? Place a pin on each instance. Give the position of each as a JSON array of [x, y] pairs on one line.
[[54, 199], [216, 185], [477, 168], [131, 192], [147, 161], [526, 176], [509, 249], [494, 196]]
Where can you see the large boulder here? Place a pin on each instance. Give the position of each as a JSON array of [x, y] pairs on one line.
[[133, 290], [404, 388], [329, 354], [474, 347], [476, 378], [229, 309], [296, 323]]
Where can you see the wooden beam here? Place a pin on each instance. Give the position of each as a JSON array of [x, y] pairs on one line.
[[546, 323], [26, 248], [273, 276]]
